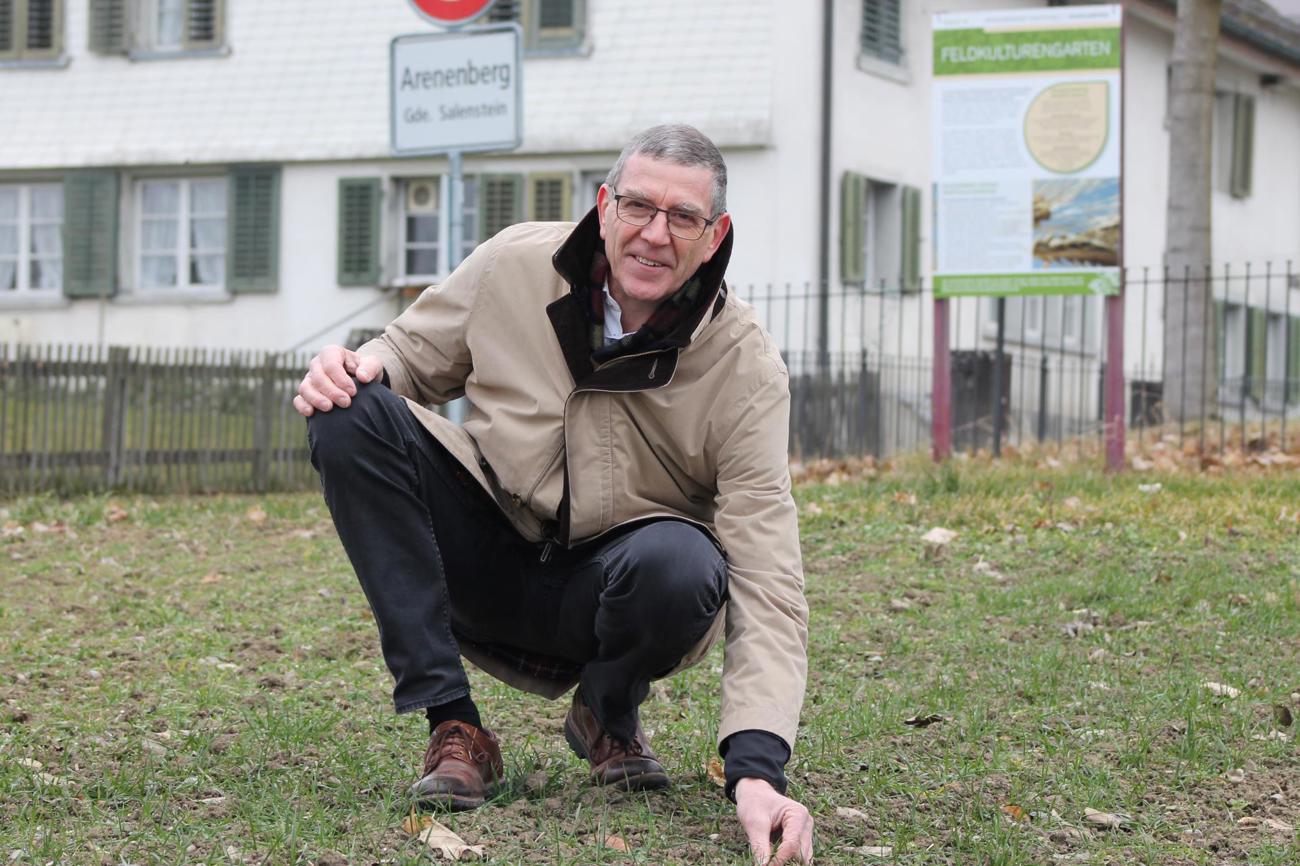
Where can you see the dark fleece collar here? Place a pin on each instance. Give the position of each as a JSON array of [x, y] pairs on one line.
[[581, 261]]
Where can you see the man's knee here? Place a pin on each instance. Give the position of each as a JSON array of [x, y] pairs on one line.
[[676, 568], [343, 432]]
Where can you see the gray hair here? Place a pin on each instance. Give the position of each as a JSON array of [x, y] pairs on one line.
[[682, 145]]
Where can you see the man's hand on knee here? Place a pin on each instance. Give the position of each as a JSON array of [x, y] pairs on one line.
[[328, 382], [765, 814]]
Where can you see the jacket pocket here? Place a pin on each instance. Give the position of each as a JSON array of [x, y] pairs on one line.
[[527, 498]]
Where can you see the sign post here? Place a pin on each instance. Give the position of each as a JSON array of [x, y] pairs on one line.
[[455, 92]]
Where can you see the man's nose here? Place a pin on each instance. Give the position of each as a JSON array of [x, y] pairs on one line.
[[656, 231]]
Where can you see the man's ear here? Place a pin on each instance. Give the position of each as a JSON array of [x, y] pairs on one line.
[[720, 229], [604, 198]]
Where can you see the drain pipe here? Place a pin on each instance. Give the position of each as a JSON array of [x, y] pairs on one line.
[[824, 221]]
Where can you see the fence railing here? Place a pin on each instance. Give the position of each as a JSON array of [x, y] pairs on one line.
[[82, 418], [78, 418]]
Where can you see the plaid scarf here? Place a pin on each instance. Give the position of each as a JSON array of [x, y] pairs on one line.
[[670, 313]]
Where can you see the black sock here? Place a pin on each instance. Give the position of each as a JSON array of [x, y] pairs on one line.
[[462, 710]]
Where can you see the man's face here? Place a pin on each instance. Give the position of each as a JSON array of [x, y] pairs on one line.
[[648, 263]]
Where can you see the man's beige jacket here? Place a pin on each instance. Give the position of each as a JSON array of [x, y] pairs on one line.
[[694, 427]]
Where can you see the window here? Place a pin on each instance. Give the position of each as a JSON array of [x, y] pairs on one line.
[[548, 25], [550, 197], [31, 239], [31, 30], [149, 27], [879, 233], [881, 35], [181, 234], [1234, 143], [425, 235], [589, 183]]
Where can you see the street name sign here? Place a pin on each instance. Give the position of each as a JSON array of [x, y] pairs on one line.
[[456, 91], [451, 13]]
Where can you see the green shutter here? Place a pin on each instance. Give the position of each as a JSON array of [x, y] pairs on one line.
[[1243, 144], [253, 257], [1293, 361], [550, 197], [910, 254], [1257, 350], [108, 26], [203, 20], [503, 11], [31, 29], [6, 27], [500, 203], [882, 28], [90, 233], [853, 266], [359, 231], [1220, 337], [43, 20]]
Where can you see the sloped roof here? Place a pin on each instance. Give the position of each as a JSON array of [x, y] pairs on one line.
[[1264, 27]]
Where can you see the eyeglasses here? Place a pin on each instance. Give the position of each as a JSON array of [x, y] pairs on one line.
[[635, 212]]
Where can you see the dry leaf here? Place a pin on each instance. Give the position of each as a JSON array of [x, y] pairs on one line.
[[1150, 488], [1014, 812], [881, 851], [1282, 715], [904, 498], [255, 514], [210, 577], [924, 721], [30, 763], [114, 513], [438, 837], [1236, 776], [938, 538], [617, 843], [715, 773], [1278, 825], [845, 812], [1220, 690], [899, 605], [1107, 820]]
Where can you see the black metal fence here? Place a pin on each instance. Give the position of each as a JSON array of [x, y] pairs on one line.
[[861, 371]]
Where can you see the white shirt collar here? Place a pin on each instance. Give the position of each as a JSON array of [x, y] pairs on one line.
[[613, 318]]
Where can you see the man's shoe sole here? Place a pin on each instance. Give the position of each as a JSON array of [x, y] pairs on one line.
[[451, 802], [639, 782]]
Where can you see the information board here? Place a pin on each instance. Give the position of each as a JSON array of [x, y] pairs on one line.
[[1027, 145]]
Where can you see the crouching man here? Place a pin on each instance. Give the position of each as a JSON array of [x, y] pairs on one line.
[[617, 500]]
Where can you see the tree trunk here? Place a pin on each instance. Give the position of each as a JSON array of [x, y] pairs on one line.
[[1190, 343]]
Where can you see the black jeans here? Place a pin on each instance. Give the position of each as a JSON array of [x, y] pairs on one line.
[[432, 552]]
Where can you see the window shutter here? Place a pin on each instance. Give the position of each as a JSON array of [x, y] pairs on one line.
[[500, 203], [553, 14], [90, 233], [1257, 350], [881, 34], [550, 197], [359, 231], [1221, 336], [910, 254], [1293, 361], [203, 23], [852, 243], [42, 30], [6, 27], [108, 26], [1243, 144], [503, 11], [253, 257]]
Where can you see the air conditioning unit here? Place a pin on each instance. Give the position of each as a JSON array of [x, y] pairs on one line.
[[422, 196]]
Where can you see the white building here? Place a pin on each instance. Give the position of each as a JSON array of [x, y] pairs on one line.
[[218, 172]]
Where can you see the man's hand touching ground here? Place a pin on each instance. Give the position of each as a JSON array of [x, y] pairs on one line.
[[764, 814], [328, 382]]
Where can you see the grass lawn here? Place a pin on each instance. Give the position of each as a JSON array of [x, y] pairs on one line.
[[197, 680]]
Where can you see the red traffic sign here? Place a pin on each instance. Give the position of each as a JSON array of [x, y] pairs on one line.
[[451, 12]]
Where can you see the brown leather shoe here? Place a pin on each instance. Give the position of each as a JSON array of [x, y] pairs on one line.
[[613, 762], [461, 767]]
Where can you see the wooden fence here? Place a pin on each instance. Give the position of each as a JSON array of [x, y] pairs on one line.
[[81, 418]]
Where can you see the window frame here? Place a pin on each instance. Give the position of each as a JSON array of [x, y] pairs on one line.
[[22, 290], [183, 289], [139, 36], [20, 54], [469, 226]]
